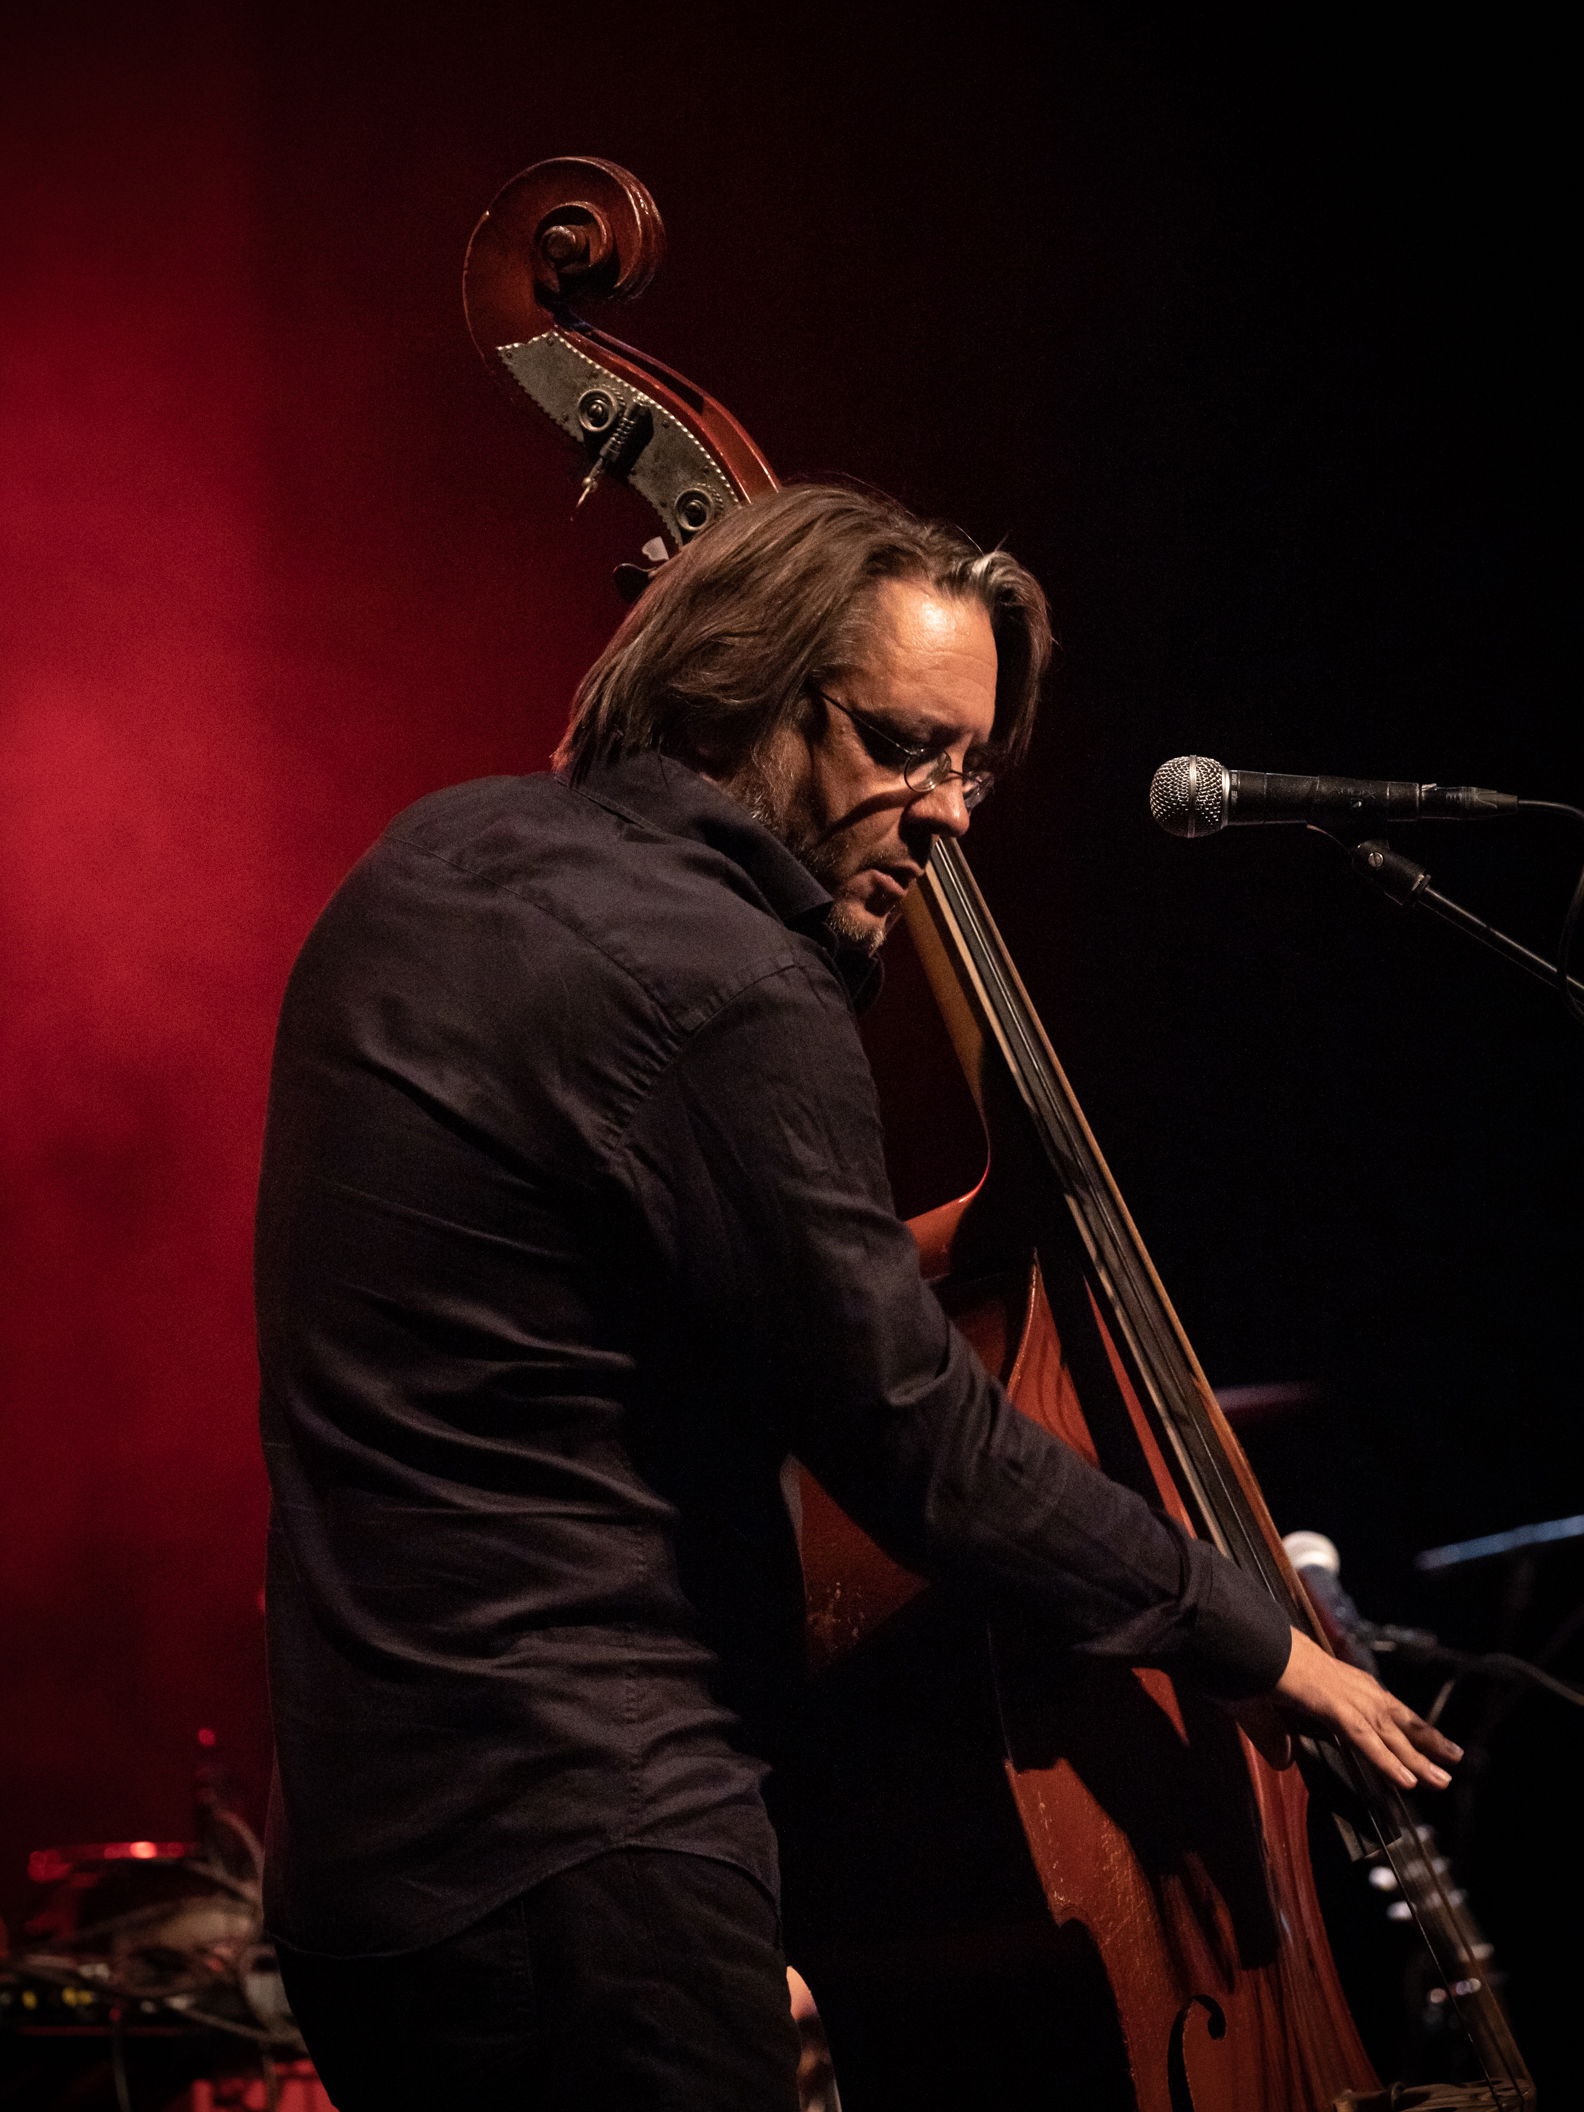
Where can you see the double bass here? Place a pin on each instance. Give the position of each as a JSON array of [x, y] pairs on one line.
[[1012, 1878]]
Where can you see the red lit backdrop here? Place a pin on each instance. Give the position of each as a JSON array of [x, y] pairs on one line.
[[1240, 340]]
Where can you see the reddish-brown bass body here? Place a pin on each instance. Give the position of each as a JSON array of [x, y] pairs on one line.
[[1011, 1878]]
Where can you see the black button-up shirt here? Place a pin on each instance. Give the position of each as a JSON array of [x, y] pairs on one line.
[[573, 1226]]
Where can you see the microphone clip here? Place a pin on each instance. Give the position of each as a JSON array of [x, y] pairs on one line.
[[1407, 884], [1394, 873]]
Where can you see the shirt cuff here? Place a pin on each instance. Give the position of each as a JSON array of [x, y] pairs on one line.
[[1242, 1637]]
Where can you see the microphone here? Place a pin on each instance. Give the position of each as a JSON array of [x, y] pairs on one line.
[[1193, 795], [1319, 1568]]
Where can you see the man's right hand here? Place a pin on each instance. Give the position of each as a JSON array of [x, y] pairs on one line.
[[1319, 1692]]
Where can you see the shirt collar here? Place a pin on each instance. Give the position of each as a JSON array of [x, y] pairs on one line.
[[660, 792]]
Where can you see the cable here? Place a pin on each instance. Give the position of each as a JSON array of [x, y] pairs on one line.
[[1570, 926], [1414, 1647], [1575, 911], [1497, 1664]]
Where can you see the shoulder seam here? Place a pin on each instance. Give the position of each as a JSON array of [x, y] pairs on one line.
[[782, 959], [685, 1041]]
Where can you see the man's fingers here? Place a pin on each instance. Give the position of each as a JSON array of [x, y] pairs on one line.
[[1408, 1749], [1329, 1691], [1422, 1748], [1412, 1765]]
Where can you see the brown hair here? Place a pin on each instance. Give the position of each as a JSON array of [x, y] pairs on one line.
[[733, 631]]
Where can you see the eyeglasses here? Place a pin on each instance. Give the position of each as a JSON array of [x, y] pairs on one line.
[[921, 769]]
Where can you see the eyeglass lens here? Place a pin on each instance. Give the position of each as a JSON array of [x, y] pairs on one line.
[[923, 770], [927, 773]]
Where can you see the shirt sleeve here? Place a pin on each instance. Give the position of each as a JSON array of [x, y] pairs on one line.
[[755, 1165]]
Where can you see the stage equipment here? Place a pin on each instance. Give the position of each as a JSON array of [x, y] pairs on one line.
[[148, 1959], [1193, 795]]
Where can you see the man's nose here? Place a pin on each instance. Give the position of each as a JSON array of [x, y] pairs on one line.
[[943, 808]]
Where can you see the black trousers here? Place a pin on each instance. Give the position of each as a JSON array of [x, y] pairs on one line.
[[643, 1981]]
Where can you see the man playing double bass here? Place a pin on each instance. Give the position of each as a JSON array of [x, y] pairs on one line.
[[574, 1226]]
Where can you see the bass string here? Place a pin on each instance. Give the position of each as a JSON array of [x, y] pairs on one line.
[[1156, 1351], [1461, 1961], [1169, 1377]]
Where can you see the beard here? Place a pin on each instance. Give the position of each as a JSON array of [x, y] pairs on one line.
[[852, 928], [765, 786]]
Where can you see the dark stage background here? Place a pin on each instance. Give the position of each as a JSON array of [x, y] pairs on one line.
[[1247, 339]]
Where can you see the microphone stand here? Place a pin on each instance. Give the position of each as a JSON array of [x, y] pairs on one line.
[[1401, 881]]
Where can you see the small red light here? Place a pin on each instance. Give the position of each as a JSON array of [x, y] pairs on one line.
[[142, 1849], [206, 1737]]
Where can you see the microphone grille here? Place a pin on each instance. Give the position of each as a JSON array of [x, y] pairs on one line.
[[1187, 796], [1312, 1551]]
